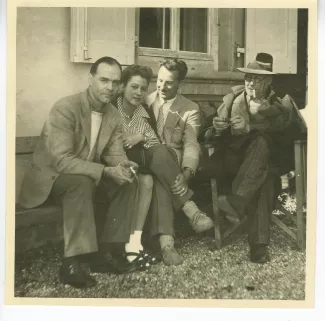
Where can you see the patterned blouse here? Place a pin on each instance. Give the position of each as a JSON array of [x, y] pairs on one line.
[[138, 124]]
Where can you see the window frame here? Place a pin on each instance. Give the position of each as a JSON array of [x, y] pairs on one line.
[[212, 15]]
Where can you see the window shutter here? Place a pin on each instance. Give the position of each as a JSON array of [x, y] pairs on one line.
[[98, 32], [273, 31]]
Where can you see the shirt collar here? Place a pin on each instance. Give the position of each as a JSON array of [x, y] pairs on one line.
[[140, 110], [168, 102]]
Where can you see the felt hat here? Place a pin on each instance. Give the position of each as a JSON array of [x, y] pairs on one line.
[[262, 65]]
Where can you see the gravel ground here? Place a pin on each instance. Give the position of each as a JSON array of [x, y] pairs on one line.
[[205, 274]]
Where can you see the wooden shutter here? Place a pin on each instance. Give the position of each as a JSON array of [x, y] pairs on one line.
[[273, 31], [98, 32]]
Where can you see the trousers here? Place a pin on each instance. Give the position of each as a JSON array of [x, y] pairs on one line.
[[94, 215], [243, 167], [163, 164]]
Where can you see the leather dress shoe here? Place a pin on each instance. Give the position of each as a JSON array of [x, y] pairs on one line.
[[259, 253], [74, 274]]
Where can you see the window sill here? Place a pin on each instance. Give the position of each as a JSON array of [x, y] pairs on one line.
[[156, 52]]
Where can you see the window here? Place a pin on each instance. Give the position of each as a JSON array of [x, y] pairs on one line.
[[193, 30], [155, 28], [174, 29]]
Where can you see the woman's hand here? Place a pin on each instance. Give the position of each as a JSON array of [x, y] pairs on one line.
[[132, 140], [180, 186]]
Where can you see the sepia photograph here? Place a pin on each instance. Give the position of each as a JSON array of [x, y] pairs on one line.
[[161, 153]]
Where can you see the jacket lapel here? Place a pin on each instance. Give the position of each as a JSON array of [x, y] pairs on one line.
[[173, 118], [152, 119], [151, 98], [85, 116]]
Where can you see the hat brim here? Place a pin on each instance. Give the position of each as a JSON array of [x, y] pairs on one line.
[[256, 71]]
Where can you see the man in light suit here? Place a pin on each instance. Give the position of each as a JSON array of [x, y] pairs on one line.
[[79, 163], [177, 121]]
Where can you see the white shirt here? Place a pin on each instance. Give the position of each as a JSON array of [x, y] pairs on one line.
[[96, 121], [165, 107]]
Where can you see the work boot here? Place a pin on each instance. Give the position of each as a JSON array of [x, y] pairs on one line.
[[200, 222], [169, 254]]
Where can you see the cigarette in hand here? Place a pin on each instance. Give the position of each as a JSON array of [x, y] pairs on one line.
[[254, 94], [133, 172]]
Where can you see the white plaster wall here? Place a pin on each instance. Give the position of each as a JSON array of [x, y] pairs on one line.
[[44, 71]]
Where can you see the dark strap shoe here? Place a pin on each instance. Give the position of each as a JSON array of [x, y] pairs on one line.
[[74, 274]]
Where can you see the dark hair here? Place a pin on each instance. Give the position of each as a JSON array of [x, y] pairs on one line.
[[106, 60], [136, 70], [173, 64]]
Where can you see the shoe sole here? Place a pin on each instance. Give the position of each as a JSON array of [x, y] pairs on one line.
[[206, 228]]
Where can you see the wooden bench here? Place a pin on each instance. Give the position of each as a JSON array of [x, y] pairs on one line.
[[35, 226], [300, 150]]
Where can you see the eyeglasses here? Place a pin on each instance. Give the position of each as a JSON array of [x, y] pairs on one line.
[[256, 79]]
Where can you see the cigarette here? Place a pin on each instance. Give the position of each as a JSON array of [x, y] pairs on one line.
[[254, 94], [133, 171]]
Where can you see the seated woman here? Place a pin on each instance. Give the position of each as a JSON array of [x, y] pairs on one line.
[[144, 147]]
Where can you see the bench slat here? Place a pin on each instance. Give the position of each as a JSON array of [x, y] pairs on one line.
[[45, 213]]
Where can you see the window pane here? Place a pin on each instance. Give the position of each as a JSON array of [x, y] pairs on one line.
[[193, 30], [154, 27]]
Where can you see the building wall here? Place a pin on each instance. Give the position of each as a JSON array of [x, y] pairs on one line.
[[44, 71]]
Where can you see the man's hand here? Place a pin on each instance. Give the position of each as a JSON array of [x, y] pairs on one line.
[[254, 105], [180, 186], [132, 140], [237, 122], [220, 123], [119, 174]]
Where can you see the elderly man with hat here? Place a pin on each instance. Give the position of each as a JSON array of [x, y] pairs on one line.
[[246, 125]]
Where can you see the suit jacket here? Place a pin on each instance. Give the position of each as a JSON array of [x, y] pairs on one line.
[[181, 129], [64, 145]]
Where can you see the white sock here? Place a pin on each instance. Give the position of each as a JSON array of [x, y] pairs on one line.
[[134, 245], [190, 208]]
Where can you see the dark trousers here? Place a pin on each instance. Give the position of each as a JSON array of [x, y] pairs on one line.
[[243, 165], [80, 199], [163, 164]]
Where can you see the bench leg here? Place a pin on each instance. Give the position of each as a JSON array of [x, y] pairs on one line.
[[216, 212], [301, 240]]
